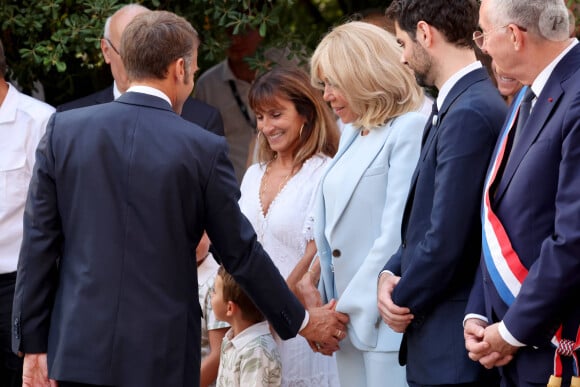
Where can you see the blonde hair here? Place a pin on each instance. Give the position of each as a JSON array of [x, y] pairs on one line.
[[362, 61], [319, 133]]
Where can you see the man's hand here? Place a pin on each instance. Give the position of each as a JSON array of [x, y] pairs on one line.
[[35, 371], [473, 332], [325, 328], [396, 317], [500, 351]]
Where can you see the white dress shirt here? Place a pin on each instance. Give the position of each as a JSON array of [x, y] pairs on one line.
[[23, 121]]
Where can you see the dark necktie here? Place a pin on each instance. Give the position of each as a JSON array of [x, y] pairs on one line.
[[432, 121], [515, 133], [524, 113]]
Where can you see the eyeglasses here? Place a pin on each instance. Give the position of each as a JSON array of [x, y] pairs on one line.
[[480, 37], [111, 45]]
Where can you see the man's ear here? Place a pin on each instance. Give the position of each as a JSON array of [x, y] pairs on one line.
[[180, 72], [518, 37], [105, 50], [424, 34]]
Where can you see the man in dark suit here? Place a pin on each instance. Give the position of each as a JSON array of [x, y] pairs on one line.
[[193, 110], [526, 292], [106, 290], [424, 287]]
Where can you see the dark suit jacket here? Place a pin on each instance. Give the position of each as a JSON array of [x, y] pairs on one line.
[[441, 233], [538, 204], [194, 110], [107, 277]]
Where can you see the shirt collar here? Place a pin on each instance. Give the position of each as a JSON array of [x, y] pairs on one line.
[[150, 91], [448, 85], [116, 92], [248, 334], [542, 78], [9, 105]]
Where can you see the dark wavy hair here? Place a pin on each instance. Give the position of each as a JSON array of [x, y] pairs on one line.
[[455, 19]]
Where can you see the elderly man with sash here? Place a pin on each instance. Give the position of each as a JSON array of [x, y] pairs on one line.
[[524, 311]]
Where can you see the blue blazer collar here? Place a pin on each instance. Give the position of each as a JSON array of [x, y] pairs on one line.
[[146, 100], [356, 170], [548, 101], [456, 91]]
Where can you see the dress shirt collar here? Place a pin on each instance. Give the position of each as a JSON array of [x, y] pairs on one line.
[[150, 91], [448, 85], [9, 105], [542, 78], [116, 92], [248, 334]]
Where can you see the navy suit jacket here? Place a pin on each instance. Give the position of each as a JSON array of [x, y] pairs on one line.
[[538, 203], [107, 278], [441, 233], [193, 110]]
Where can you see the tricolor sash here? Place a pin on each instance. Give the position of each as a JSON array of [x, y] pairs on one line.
[[503, 263]]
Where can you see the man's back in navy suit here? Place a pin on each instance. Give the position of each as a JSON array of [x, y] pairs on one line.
[[106, 290]]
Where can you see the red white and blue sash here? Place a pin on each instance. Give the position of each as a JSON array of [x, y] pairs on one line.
[[503, 263]]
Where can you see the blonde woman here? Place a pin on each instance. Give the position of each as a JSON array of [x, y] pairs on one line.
[[363, 192], [297, 138]]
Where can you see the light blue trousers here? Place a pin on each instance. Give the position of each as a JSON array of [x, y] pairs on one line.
[[368, 369]]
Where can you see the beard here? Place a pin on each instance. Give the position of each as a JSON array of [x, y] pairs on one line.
[[422, 67]]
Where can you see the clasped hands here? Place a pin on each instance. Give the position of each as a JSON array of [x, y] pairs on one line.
[[485, 344]]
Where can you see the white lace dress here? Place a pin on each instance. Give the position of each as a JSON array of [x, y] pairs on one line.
[[284, 232]]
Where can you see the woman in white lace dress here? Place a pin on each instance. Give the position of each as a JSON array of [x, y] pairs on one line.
[[297, 136]]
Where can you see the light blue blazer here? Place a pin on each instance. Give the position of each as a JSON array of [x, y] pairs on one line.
[[367, 230]]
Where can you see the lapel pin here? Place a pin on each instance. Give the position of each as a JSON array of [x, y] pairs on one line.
[[550, 99]]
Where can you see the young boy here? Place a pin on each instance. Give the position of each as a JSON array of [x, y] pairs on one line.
[[249, 356], [212, 330]]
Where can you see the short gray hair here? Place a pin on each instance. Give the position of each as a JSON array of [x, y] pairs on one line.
[[547, 19]]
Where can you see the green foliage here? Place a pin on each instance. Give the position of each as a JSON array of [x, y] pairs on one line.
[[58, 41]]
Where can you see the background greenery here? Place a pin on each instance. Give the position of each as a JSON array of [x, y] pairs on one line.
[[57, 41]]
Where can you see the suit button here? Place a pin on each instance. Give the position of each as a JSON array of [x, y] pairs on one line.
[[404, 244], [336, 253]]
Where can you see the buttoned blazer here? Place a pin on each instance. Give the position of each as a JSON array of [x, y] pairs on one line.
[[365, 230], [193, 110], [120, 196], [537, 202], [441, 232]]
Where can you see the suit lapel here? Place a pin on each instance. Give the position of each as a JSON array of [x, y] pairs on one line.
[[545, 105], [456, 91], [355, 170]]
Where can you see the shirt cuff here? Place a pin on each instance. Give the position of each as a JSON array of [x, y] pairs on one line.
[[507, 336], [386, 272], [476, 316], [305, 321]]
